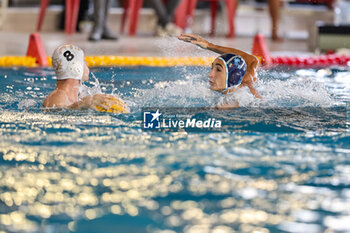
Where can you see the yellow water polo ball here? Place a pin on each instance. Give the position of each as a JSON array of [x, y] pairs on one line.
[[118, 106]]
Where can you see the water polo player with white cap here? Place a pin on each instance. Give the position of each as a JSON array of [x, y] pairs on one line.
[[68, 62], [232, 70], [71, 69]]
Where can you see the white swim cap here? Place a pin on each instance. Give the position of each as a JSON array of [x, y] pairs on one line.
[[68, 62]]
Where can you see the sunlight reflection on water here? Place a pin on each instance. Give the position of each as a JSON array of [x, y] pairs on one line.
[[84, 171]]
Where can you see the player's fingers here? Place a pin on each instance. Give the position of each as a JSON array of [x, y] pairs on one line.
[[184, 37]]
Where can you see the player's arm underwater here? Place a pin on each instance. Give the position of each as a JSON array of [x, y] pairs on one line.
[[94, 101], [58, 99]]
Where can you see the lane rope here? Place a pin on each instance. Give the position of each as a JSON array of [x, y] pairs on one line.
[[101, 61]]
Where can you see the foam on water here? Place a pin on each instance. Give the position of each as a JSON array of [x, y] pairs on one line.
[[26, 104], [191, 92], [194, 91], [298, 91]]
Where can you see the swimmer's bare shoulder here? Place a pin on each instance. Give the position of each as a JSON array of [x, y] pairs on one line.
[[57, 99]]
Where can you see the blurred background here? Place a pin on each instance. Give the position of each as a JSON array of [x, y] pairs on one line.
[[298, 19]]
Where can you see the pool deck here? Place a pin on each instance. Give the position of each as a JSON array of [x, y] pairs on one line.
[[296, 25], [16, 43]]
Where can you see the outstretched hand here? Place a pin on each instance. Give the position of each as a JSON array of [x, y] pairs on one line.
[[194, 39]]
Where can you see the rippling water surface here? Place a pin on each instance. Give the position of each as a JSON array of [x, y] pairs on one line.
[[85, 171]]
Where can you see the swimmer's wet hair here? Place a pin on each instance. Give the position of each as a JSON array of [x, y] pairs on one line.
[[68, 62]]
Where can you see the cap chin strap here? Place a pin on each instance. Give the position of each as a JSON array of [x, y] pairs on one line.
[[226, 87]]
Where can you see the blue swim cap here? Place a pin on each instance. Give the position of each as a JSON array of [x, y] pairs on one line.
[[236, 67]]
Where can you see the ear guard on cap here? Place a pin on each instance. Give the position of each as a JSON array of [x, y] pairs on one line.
[[236, 67], [68, 62]]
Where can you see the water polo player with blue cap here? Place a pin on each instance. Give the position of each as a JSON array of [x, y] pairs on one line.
[[231, 70], [235, 67], [71, 70]]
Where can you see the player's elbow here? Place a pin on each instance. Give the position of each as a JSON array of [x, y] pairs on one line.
[[254, 63]]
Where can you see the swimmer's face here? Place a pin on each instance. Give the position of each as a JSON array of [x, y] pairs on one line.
[[217, 76], [86, 72]]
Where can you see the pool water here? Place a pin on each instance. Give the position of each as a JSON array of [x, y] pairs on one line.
[[87, 171]]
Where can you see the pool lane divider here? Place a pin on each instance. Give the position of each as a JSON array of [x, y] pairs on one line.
[[105, 61], [36, 56], [261, 51]]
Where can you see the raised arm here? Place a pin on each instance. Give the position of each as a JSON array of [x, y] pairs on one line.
[[199, 41]]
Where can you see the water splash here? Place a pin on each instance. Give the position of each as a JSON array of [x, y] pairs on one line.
[[193, 91], [27, 104], [297, 91], [94, 89]]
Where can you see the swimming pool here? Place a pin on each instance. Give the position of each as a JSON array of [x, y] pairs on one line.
[[86, 171]]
